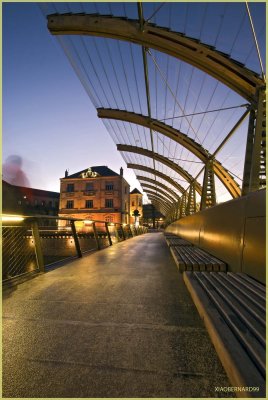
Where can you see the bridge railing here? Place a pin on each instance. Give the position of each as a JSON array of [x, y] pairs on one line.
[[33, 244]]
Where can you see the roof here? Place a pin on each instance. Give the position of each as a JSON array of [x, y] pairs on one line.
[[31, 191], [134, 191], [101, 170]]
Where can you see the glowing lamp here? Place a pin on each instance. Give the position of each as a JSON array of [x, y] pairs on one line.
[[12, 218]]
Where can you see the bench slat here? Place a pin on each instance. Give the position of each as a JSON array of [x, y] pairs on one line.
[[239, 365], [247, 339]]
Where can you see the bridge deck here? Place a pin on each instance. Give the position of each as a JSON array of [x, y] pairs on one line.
[[118, 323]]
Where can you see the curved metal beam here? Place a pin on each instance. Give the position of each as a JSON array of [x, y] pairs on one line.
[[161, 159], [160, 202], [166, 188], [179, 137], [159, 208], [153, 187], [157, 173], [165, 200], [191, 51]]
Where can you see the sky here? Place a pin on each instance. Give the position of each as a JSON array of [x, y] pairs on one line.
[[48, 119]]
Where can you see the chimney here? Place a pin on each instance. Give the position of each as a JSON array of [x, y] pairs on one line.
[[66, 173], [121, 171]]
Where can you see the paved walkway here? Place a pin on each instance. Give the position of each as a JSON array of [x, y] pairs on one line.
[[117, 323]]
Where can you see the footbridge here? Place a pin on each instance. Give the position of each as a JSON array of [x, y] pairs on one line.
[[114, 310]]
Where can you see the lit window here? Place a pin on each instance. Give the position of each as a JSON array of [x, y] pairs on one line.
[[89, 203], [109, 218], [109, 186], [70, 187], [69, 204], [109, 203]]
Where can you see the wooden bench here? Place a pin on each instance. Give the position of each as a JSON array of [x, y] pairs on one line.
[[191, 258], [176, 241], [232, 306]]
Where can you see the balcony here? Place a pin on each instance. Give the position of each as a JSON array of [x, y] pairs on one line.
[[89, 193]]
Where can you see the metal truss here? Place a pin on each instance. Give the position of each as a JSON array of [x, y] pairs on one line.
[[155, 182], [161, 159], [179, 137], [161, 203], [160, 196], [157, 173], [147, 186]]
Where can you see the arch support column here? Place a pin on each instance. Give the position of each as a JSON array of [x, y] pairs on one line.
[[191, 203], [208, 198], [255, 160]]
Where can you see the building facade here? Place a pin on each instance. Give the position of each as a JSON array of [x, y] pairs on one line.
[[96, 193], [135, 204]]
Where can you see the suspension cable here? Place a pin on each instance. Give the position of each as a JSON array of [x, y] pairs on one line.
[[256, 41], [206, 112], [155, 12], [171, 91]]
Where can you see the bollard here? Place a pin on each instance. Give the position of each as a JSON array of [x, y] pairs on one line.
[[76, 240], [37, 245], [108, 234], [96, 236]]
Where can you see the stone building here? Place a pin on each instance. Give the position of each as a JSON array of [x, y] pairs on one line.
[[95, 193], [135, 204]]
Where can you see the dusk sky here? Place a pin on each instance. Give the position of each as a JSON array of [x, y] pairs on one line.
[[49, 119]]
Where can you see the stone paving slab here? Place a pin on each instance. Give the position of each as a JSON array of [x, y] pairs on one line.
[[116, 323]]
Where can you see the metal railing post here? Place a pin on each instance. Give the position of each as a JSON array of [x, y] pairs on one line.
[[76, 240], [129, 229], [116, 233], [96, 236], [108, 234], [123, 233], [38, 247]]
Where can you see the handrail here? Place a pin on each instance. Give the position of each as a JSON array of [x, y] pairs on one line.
[[28, 248]]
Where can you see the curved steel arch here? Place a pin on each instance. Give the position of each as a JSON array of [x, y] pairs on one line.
[[158, 207], [157, 173], [155, 182], [179, 137], [154, 198], [163, 160], [147, 186], [202, 56], [165, 200]]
